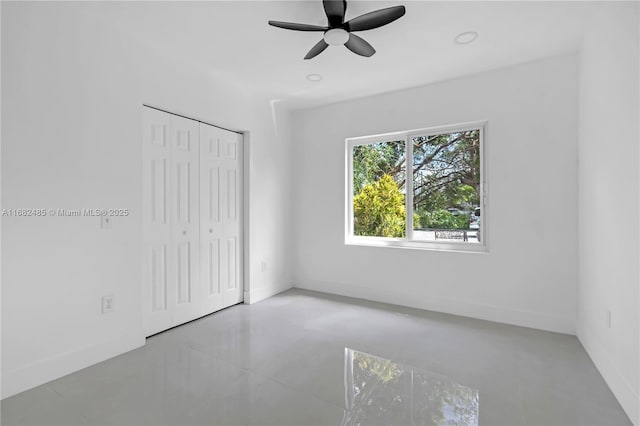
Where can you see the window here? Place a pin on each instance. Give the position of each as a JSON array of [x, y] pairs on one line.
[[420, 188]]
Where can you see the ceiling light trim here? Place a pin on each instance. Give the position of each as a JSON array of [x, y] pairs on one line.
[[466, 37]]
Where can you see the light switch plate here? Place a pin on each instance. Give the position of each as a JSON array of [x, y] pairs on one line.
[[105, 222]]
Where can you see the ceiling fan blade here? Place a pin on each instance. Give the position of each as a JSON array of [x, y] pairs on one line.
[[297, 27], [375, 19], [359, 46], [317, 49], [335, 10]]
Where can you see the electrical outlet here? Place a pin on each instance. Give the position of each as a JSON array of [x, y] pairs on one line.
[[107, 304], [264, 266], [105, 222]]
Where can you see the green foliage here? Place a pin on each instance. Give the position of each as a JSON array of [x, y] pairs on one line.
[[463, 195], [446, 170], [372, 161], [379, 209], [442, 219], [417, 223]]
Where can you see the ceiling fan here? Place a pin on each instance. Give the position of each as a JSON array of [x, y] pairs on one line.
[[339, 32]]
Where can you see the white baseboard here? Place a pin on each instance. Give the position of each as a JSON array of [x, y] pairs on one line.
[[254, 296], [628, 398], [530, 319], [46, 370]]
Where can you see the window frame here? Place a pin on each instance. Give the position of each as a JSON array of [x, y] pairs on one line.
[[408, 241]]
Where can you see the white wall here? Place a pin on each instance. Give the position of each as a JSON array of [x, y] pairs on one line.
[[609, 200], [73, 89], [270, 203], [529, 277]]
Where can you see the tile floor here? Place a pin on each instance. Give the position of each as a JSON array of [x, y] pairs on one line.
[[304, 358]]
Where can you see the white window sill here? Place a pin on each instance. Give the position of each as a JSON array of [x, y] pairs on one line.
[[459, 247]]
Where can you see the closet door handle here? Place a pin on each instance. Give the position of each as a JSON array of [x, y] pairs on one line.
[[211, 231], [184, 232]]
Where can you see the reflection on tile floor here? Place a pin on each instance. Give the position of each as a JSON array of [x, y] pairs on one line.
[[303, 358], [382, 391]]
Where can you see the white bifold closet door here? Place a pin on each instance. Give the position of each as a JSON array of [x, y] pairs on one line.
[[191, 220], [220, 237]]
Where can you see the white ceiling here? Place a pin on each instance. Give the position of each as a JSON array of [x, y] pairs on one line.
[[232, 40]]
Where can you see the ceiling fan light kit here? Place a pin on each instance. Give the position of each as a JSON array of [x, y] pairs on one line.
[[339, 32], [336, 37]]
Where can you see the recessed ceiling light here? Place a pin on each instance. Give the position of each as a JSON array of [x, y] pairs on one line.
[[314, 77], [466, 37]]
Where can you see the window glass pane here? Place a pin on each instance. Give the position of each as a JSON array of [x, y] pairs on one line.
[[379, 174], [446, 187]]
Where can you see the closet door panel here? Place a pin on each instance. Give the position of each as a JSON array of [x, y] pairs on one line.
[[231, 229], [211, 213], [220, 217], [157, 270], [185, 213]]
